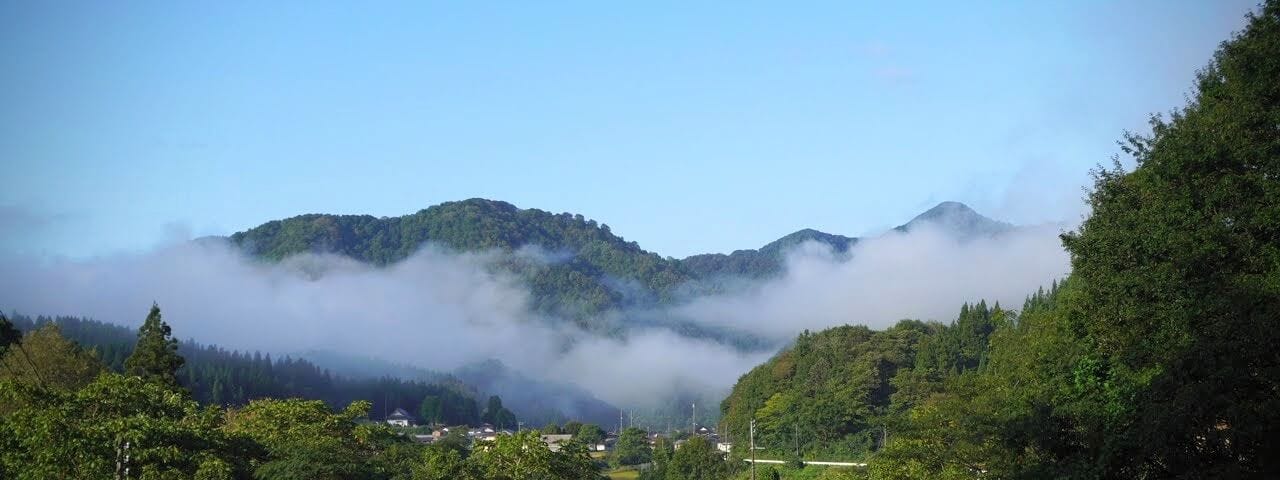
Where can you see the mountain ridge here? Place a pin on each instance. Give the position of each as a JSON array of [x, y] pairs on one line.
[[595, 270], [950, 214]]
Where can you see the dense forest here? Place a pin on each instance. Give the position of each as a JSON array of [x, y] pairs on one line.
[[215, 376], [1155, 358], [833, 394], [226, 377]]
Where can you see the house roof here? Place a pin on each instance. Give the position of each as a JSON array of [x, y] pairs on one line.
[[556, 438], [399, 414]]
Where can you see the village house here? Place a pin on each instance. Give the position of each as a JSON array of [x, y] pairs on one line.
[[554, 441], [400, 418], [486, 433]]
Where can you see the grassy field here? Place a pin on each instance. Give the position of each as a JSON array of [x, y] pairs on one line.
[[627, 473]]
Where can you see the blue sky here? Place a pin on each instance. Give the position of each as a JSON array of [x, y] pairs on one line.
[[686, 127]]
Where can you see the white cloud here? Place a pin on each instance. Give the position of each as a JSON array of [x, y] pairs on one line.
[[925, 274], [440, 311]]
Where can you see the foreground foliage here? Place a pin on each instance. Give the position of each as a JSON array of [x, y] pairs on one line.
[[63, 414], [215, 376]]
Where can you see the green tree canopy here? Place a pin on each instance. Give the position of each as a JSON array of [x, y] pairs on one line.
[[589, 434], [524, 456], [632, 448], [1157, 357], [497, 415], [46, 358], [697, 459], [113, 424], [304, 439], [155, 357]]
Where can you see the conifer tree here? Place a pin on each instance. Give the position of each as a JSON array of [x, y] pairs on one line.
[[9, 334], [155, 357]]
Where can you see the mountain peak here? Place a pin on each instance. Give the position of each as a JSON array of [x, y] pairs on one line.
[[958, 219], [947, 208]]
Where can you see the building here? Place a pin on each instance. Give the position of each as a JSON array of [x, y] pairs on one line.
[[553, 441], [400, 418]]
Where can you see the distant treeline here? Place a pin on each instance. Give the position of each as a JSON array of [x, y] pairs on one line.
[[216, 376]]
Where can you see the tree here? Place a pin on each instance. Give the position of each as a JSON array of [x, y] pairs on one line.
[[697, 460], [155, 357], [497, 415], [9, 335], [443, 463], [589, 434], [431, 410], [1178, 275], [571, 427], [44, 357], [632, 448], [662, 453], [113, 424], [304, 439], [524, 456]]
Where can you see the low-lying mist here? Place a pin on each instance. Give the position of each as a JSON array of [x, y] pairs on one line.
[[440, 310], [925, 274]]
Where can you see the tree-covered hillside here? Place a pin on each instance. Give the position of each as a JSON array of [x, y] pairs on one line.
[[1156, 357], [832, 393], [765, 262], [221, 377], [577, 269], [587, 259]]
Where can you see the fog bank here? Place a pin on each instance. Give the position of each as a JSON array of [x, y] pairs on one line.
[[925, 274], [440, 311]]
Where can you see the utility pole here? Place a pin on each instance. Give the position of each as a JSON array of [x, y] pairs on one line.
[[753, 449]]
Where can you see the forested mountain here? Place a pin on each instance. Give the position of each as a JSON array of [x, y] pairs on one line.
[[588, 269], [577, 286], [764, 262]]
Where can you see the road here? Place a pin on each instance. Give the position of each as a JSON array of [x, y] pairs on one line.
[[806, 462]]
